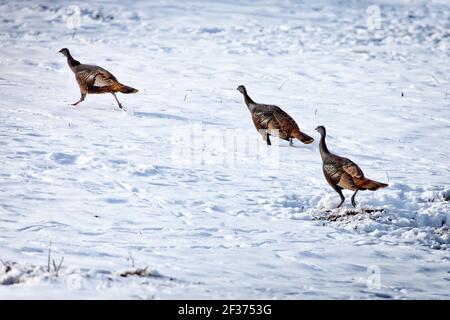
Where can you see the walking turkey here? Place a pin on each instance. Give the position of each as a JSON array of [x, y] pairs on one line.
[[272, 120], [342, 173], [95, 80]]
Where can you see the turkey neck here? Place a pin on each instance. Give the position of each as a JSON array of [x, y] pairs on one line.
[[323, 148], [249, 102], [72, 62]]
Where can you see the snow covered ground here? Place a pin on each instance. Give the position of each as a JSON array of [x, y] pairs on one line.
[[181, 183]]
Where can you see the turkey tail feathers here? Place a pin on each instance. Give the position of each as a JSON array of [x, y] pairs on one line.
[[117, 87], [367, 184], [126, 89], [303, 137]]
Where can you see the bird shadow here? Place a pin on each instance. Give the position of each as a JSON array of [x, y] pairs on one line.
[[159, 116], [289, 146], [283, 144]]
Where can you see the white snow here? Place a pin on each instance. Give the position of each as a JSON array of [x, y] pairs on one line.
[[182, 184]]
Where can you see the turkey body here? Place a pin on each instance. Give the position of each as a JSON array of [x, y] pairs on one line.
[[271, 120], [342, 173], [95, 80]]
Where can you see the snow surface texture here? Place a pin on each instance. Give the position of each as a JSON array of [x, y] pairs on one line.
[[181, 183]]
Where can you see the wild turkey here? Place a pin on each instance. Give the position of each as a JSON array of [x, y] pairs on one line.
[[342, 173], [94, 79], [271, 120]]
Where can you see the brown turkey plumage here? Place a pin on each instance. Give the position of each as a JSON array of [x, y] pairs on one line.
[[342, 173], [272, 120], [94, 79]]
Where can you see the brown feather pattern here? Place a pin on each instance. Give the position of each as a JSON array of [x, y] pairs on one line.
[[342, 173], [94, 79], [272, 120]]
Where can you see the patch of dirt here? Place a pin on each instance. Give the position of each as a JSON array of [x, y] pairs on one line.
[[347, 213]]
